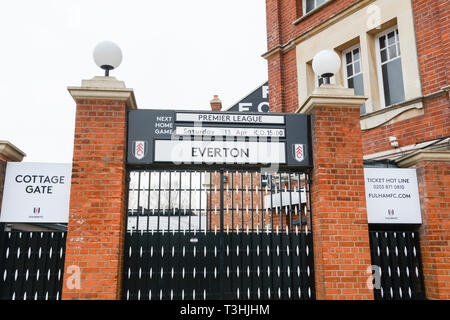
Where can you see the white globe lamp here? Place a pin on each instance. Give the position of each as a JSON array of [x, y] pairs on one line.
[[326, 63], [107, 55]]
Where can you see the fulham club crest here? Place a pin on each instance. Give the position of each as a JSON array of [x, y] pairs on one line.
[[299, 152], [391, 214], [140, 149]]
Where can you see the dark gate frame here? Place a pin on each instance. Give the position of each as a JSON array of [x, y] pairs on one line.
[[31, 264], [251, 261], [397, 256]]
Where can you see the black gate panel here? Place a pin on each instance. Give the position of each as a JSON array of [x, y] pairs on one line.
[[218, 235], [31, 265], [397, 254], [192, 266]]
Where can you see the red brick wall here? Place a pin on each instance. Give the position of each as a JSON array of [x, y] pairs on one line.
[[339, 217], [434, 189], [433, 45], [283, 76], [282, 67], [96, 227], [432, 33], [3, 161], [280, 27]]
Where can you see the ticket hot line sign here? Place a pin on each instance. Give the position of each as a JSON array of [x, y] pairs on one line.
[[168, 137]]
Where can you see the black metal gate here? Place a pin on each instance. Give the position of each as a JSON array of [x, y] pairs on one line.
[[218, 235], [397, 255], [31, 265]]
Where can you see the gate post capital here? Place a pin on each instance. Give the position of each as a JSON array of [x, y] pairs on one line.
[[331, 95], [104, 88], [339, 217]]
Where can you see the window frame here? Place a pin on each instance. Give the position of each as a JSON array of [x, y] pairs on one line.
[[380, 64], [315, 6], [361, 71], [344, 66]]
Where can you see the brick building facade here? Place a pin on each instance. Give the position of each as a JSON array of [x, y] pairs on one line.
[[395, 53]]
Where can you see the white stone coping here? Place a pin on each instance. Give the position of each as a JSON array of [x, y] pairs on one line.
[[423, 155], [331, 95], [108, 88], [11, 152]]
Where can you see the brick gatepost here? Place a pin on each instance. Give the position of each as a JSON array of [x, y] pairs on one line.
[[8, 153], [433, 172], [339, 216], [97, 216]]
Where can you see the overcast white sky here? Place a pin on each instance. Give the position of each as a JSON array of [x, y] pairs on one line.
[[176, 54]]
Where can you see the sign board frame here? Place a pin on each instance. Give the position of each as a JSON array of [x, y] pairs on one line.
[[392, 196], [288, 136], [36, 192]]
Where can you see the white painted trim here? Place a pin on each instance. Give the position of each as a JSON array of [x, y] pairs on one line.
[[398, 153]]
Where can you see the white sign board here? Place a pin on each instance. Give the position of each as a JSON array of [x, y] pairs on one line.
[[36, 192], [289, 198], [182, 151], [392, 195], [229, 118]]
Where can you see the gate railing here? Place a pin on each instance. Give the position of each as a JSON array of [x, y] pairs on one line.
[[218, 235], [396, 257], [31, 265]]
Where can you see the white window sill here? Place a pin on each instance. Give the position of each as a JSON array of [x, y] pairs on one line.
[[392, 114]]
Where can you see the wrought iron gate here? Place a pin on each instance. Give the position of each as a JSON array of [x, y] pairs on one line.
[[218, 235], [397, 254], [31, 265]]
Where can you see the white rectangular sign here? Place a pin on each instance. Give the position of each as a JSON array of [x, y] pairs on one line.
[[230, 152], [392, 195], [229, 118], [229, 132], [289, 198], [36, 192]]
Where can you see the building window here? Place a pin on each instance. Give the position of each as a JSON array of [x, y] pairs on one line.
[[389, 63], [309, 5], [353, 75]]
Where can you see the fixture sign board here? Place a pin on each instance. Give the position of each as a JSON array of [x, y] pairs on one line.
[[36, 192], [392, 196], [230, 152], [168, 137]]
